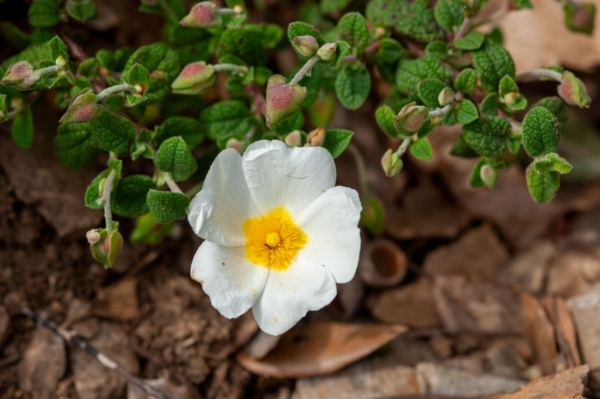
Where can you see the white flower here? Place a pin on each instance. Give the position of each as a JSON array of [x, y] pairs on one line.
[[279, 235]]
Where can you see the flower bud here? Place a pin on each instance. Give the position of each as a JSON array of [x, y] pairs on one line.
[[235, 144], [305, 45], [107, 246], [202, 15], [60, 61], [580, 17], [83, 108], [488, 175], [194, 79], [512, 98], [238, 9], [282, 99], [20, 76], [573, 91], [446, 96], [411, 119], [327, 51], [316, 138], [294, 139], [391, 163]]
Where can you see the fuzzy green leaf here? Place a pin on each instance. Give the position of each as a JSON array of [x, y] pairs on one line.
[[466, 112], [389, 51], [437, 50], [294, 122], [58, 48], [336, 141], [129, 199], [421, 149], [190, 130], [472, 41], [476, 180], [411, 72], [92, 193], [22, 129], [489, 105], [385, 120], [112, 132], [89, 68], [44, 13], [352, 85], [81, 10], [429, 90], [329, 6], [558, 109], [541, 132], [413, 18], [340, 51], [492, 62], [167, 206], [247, 43], [174, 156], [75, 146], [449, 15], [466, 81], [542, 182], [226, 117], [352, 28], [304, 29], [487, 135], [462, 149], [148, 230]]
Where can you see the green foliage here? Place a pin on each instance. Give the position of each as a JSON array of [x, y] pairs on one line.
[[81, 10], [247, 43], [22, 129], [462, 149], [558, 109], [304, 29], [466, 81], [429, 90], [167, 206], [449, 15], [225, 117], [421, 149], [543, 177], [112, 132], [148, 230], [190, 130], [385, 120], [174, 156], [489, 105], [75, 146], [411, 72], [129, 199], [541, 132], [414, 18], [472, 41], [492, 63], [44, 13], [336, 141], [465, 112], [487, 135], [353, 85], [352, 28]]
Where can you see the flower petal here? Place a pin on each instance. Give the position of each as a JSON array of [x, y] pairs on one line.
[[290, 177], [291, 293], [331, 225], [219, 210], [232, 283]]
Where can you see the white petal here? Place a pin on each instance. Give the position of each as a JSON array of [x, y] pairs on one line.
[[232, 283], [291, 293], [331, 224], [290, 177], [218, 212]]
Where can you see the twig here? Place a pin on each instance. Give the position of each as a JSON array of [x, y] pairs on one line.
[[371, 48], [114, 89], [305, 70], [403, 146], [464, 28], [539, 73], [171, 183], [106, 199], [440, 111]]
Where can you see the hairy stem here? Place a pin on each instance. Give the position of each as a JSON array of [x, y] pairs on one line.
[[106, 200], [464, 28], [403, 146], [50, 69], [226, 11], [371, 48], [440, 111], [114, 89], [305, 70], [230, 67], [540, 73], [171, 183]]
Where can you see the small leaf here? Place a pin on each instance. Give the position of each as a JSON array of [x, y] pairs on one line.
[[225, 117], [542, 181], [81, 10], [44, 13], [22, 129], [492, 62], [558, 109], [385, 119], [489, 105], [3, 110], [174, 156], [340, 51], [476, 180], [138, 76], [92, 193], [429, 90], [352, 85], [487, 135], [352, 28], [421, 149], [466, 81], [411, 72], [389, 51], [336, 141], [541, 132], [129, 199], [304, 29], [148, 230], [75, 146], [449, 15], [190, 130], [437, 50], [116, 165], [58, 48], [462, 149], [167, 206], [413, 18], [472, 41], [466, 112], [112, 132], [89, 68]]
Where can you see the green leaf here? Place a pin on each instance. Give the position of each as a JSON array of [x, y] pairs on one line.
[[421, 149], [472, 41], [274, 34], [449, 15], [106, 58], [161, 62], [81, 10], [340, 51], [353, 84], [389, 51], [489, 105], [174, 156], [138, 76], [487, 135], [496, 36], [385, 119], [148, 230], [247, 43], [89, 68], [541, 132], [75, 146], [44, 13], [167, 206], [112, 132], [413, 18], [508, 87], [22, 129], [462, 149], [294, 122], [558, 109], [429, 90], [492, 62], [114, 103], [92, 193], [466, 112], [466, 81], [189, 129], [58, 48], [411, 72], [129, 199], [33, 54], [542, 181], [352, 28], [329, 6], [336, 141], [303, 29], [437, 50], [3, 110], [225, 117], [322, 110], [476, 180]]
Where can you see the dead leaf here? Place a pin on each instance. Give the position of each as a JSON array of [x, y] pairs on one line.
[[164, 386], [411, 304], [574, 270], [43, 364], [382, 264], [4, 324], [566, 331], [528, 269], [320, 348], [478, 254], [118, 301], [541, 332]]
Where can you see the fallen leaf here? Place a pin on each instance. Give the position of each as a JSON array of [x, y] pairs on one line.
[[118, 301], [162, 385], [4, 324], [320, 348], [565, 328], [43, 364], [528, 269], [574, 270], [541, 332]]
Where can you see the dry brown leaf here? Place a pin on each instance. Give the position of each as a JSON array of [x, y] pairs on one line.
[[164, 386], [528, 269], [43, 364], [320, 348], [566, 329], [574, 270], [541, 332], [118, 301], [382, 264], [4, 324]]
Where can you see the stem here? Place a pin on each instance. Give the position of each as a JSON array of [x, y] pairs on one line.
[[440, 111], [194, 190], [371, 48], [12, 114], [171, 16], [106, 200], [305, 70], [226, 11], [403, 146], [230, 67], [71, 78], [540, 73], [50, 69], [171, 183], [464, 28], [114, 89], [360, 167]]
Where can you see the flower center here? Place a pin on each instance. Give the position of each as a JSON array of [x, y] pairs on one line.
[[273, 240]]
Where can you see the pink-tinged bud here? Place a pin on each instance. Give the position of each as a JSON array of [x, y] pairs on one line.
[[488, 175], [194, 79], [573, 91], [410, 119], [235, 144], [202, 15], [306, 46], [446, 96], [580, 17], [327, 51], [83, 108], [512, 98], [20, 76], [391, 163], [282, 99], [316, 138], [294, 139], [107, 246]]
